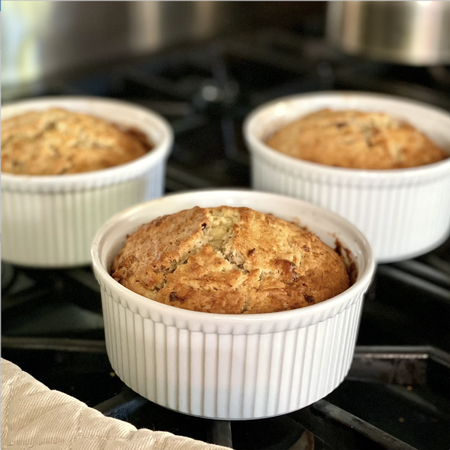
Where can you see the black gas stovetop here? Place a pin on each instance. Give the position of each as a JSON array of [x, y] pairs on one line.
[[396, 395]]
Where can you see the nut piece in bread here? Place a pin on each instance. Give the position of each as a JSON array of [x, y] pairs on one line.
[[356, 139], [229, 260], [58, 142]]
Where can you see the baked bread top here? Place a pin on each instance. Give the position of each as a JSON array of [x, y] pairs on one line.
[[229, 260], [58, 142], [356, 139]]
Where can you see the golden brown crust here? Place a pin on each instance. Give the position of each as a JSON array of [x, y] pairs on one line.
[[57, 142], [229, 260], [356, 139]]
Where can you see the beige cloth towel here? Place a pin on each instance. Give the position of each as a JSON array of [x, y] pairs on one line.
[[33, 417]]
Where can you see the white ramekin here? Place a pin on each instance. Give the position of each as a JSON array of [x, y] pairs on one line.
[[231, 366], [50, 221], [403, 213]]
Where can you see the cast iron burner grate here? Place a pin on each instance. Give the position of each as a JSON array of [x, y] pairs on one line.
[[324, 424], [207, 90], [396, 393]]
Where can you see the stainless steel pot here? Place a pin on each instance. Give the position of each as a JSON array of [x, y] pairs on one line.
[[41, 39], [406, 32], [44, 38]]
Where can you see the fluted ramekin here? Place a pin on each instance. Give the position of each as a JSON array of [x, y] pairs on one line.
[[403, 212], [231, 366], [50, 221]]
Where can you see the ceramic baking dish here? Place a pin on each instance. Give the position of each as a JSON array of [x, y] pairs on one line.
[[403, 212], [50, 221], [231, 366]]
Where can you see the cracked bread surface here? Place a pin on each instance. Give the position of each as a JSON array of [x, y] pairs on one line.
[[58, 142], [229, 260], [356, 139]]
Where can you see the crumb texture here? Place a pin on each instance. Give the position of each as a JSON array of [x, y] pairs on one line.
[[229, 260], [356, 139], [58, 142]]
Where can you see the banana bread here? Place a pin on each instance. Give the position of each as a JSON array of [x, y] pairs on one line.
[[229, 260], [58, 142], [356, 139]]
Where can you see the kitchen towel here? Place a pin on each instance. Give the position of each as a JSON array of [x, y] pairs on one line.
[[33, 417]]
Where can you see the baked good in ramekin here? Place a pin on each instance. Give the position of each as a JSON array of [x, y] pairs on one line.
[[229, 260], [356, 140], [49, 221], [404, 212], [232, 366], [60, 142]]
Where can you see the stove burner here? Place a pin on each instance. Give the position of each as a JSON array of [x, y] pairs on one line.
[[8, 275], [390, 396], [410, 385]]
